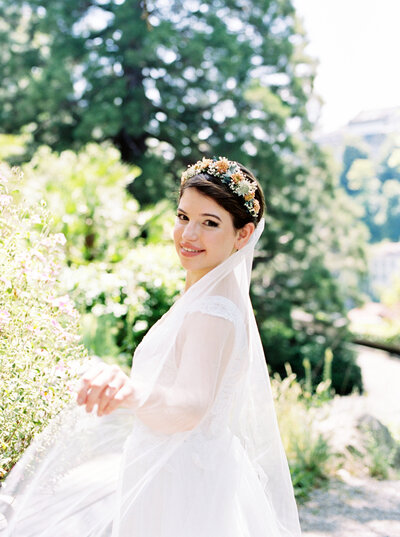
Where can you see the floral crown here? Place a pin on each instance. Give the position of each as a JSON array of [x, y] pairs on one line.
[[230, 174]]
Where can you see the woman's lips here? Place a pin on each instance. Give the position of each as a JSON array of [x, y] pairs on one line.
[[188, 251]]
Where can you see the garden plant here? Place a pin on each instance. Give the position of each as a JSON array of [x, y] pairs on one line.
[[40, 349]]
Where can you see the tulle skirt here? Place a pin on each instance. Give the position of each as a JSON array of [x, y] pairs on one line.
[[113, 477]]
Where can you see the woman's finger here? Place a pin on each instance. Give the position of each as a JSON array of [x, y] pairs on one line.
[[85, 382], [110, 391], [98, 384], [124, 397]]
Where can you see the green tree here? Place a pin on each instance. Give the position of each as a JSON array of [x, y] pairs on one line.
[[220, 77], [389, 175], [313, 257]]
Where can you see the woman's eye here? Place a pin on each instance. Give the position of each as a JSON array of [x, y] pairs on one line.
[[182, 216], [211, 223]]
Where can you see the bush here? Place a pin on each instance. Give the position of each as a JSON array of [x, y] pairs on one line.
[[285, 343], [122, 271], [86, 193], [120, 301], [39, 342]]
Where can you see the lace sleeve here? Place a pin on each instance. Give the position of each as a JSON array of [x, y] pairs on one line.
[[219, 306], [209, 338]]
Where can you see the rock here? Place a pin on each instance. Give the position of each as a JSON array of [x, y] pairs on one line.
[[370, 426], [381, 434], [353, 432]]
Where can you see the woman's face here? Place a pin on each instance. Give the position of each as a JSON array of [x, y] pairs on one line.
[[204, 234]]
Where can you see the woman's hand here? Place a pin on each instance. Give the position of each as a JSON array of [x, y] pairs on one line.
[[106, 386]]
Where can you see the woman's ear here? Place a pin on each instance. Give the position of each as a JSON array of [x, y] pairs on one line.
[[243, 235]]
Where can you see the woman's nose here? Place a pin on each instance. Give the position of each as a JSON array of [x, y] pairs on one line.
[[190, 231]]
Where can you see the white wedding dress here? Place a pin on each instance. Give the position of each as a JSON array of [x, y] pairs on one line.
[[201, 457]]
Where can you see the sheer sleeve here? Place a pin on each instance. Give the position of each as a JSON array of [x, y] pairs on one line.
[[204, 347]]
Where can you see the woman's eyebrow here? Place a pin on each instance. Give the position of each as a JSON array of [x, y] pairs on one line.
[[203, 214], [213, 215]]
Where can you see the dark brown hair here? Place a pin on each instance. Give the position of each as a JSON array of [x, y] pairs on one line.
[[214, 188]]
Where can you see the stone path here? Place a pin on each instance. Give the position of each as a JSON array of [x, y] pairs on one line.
[[353, 507], [361, 506]]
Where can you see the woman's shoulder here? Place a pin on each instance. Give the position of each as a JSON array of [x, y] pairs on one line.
[[218, 306]]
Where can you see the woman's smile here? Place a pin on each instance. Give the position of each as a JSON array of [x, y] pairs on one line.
[[188, 250]]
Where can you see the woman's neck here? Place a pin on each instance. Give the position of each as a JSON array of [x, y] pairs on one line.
[[193, 277]]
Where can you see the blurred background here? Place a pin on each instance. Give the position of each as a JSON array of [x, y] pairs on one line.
[[103, 103]]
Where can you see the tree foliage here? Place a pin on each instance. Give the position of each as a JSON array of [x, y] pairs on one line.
[[220, 77]]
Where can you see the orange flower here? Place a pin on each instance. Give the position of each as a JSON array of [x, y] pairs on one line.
[[256, 206], [222, 166], [249, 196], [236, 177]]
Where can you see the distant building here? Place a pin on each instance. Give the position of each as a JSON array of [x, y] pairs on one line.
[[384, 266], [372, 126]]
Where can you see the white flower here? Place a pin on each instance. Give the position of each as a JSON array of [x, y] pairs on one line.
[[64, 304], [244, 187], [59, 238], [7, 282], [117, 309], [98, 310]]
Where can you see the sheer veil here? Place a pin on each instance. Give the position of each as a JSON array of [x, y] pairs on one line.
[[91, 473]]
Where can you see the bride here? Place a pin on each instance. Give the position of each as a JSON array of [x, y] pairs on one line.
[[188, 445]]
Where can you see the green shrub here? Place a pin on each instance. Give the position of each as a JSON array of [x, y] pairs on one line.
[[39, 342], [121, 301], [122, 271], [379, 459], [86, 194], [284, 342], [382, 449]]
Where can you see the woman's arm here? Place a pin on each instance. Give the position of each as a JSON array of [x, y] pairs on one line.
[[204, 347], [108, 387]]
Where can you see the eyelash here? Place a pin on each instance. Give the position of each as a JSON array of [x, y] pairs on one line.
[[209, 223]]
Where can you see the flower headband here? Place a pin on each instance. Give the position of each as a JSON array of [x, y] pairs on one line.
[[231, 175]]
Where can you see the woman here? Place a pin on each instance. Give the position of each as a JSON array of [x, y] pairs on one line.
[[188, 446]]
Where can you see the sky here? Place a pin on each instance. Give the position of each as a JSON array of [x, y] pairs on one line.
[[357, 43]]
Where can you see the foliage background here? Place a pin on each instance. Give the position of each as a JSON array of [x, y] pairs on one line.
[[165, 83], [372, 179]]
